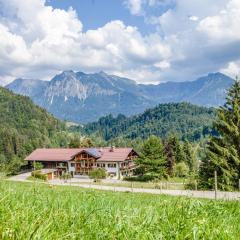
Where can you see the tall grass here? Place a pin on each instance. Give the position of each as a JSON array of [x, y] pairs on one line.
[[37, 211]]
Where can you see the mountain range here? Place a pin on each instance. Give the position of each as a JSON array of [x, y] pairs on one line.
[[82, 98]]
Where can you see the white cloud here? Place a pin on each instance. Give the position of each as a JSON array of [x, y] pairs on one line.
[[135, 6], [53, 41], [224, 26], [193, 18], [202, 36], [232, 69], [192, 39]]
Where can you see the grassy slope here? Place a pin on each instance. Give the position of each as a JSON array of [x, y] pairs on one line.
[[41, 212]]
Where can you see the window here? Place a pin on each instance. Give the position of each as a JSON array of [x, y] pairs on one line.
[[72, 164], [112, 165], [102, 165]]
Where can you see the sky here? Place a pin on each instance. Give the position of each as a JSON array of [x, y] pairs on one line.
[[150, 41]]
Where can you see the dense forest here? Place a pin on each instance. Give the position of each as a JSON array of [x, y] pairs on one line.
[[189, 122], [24, 127]]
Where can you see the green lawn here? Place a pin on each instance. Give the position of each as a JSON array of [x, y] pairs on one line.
[[38, 211]]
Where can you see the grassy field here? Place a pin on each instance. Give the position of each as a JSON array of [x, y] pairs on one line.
[[38, 211]]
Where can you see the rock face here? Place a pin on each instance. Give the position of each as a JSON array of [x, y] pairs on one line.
[[208, 91], [81, 97]]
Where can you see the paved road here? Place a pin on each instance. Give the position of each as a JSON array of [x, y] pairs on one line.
[[20, 177], [188, 193]]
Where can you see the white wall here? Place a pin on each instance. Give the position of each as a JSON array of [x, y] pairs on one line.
[[70, 169]]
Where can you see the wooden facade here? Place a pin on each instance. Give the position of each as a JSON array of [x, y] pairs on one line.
[[84, 163]]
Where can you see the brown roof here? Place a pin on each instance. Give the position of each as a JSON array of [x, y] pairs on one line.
[[67, 154]]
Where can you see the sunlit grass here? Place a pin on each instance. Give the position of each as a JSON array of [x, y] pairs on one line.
[[38, 211]]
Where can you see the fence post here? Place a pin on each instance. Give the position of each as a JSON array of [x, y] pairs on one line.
[[215, 184], [239, 184]]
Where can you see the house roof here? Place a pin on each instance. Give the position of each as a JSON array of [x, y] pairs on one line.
[[67, 154], [53, 154]]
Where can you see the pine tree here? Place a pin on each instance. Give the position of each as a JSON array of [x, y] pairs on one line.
[[178, 152], [74, 142], [152, 158], [223, 152], [170, 158], [189, 156], [86, 143]]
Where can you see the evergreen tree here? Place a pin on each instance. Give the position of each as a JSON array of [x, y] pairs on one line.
[[86, 143], [178, 152], [152, 158], [74, 142], [170, 158], [223, 152], [189, 156]]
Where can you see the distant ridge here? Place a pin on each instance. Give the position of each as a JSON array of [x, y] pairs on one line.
[[188, 121], [82, 98]]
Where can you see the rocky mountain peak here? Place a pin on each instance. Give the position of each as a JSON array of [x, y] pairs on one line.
[[82, 97]]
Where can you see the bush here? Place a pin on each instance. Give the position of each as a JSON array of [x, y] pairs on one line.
[[191, 184], [39, 175], [181, 170], [14, 167], [98, 174], [37, 165], [142, 178], [65, 176]]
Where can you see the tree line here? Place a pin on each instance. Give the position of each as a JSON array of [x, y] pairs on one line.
[[189, 122]]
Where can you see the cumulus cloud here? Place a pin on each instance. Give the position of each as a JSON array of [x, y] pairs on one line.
[[224, 26], [232, 69], [37, 41], [202, 36], [191, 39]]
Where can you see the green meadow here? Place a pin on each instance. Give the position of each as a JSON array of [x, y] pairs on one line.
[[38, 211]]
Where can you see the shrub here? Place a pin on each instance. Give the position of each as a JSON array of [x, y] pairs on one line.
[[65, 176], [37, 165], [98, 174], [39, 175], [191, 184], [141, 178], [181, 170]]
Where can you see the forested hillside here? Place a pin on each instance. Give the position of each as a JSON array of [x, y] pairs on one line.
[[188, 121], [24, 127]]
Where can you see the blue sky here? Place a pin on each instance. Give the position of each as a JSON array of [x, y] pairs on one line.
[[96, 13], [149, 41]]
